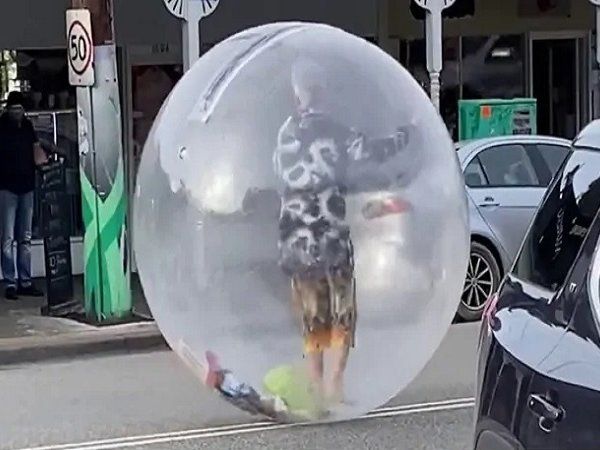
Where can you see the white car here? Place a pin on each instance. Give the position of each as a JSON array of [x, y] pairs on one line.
[[506, 178]]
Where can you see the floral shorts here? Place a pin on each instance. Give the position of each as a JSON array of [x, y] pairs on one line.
[[328, 310]]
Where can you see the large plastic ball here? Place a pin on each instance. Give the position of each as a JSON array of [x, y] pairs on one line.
[[300, 223]]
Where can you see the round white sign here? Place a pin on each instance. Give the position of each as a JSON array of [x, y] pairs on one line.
[[176, 7], [81, 48], [180, 8], [435, 5], [208, 6]]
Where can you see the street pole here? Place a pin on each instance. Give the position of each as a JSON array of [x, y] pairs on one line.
[[191, 12], [191, 43], [434, 41], [107, 287]]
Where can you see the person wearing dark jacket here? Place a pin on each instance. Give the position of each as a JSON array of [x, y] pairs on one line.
[[20, 153]]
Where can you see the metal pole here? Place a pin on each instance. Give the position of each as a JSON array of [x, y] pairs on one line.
[[191, 43], [433, 31], [435, 89], [434, 39], [191, 12]]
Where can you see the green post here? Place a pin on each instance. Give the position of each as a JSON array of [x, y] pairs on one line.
[[107, 287]]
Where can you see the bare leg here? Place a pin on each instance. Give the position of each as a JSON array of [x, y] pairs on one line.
[[316, 342], [340, 351], [315, 371], [343, 301]]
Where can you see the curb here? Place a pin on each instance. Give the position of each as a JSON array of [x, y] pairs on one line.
[[116, 340]]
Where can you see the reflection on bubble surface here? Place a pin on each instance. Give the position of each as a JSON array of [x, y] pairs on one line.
[[300, 223]]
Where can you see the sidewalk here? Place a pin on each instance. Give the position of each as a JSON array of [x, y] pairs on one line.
[[27, 336]]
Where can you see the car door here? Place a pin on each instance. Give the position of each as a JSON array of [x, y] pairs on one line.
[[563, 404], [509, 193], [542, 375]]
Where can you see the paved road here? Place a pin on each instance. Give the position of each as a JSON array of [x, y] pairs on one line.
[[148, 401]]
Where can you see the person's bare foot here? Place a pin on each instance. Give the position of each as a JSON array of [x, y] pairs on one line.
[[209, 372], [335, 391], [212, 377]]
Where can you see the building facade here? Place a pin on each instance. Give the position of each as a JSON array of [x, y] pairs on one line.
[[509, 48]]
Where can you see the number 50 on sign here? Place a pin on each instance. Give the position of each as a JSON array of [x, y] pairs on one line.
[[80, 47]]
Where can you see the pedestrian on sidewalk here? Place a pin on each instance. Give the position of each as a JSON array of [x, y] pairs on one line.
[[20, 153]]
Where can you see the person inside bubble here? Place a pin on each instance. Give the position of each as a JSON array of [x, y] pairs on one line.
[[313, 156]]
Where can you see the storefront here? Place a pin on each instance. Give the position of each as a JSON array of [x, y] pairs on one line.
[[509, 48], [512, 48], [149, 59]]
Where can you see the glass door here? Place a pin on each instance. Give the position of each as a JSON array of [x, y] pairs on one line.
[[558, 82], [150, 85]]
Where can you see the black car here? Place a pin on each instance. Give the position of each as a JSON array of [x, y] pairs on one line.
[[538, 383]]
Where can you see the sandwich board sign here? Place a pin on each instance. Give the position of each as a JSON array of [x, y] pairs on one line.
[[80, 48]]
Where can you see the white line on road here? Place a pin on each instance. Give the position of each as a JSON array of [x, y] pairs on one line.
[[255, 427]]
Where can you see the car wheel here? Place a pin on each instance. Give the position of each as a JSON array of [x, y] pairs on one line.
[[483, 278]]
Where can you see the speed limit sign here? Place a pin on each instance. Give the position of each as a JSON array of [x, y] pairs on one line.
[[80, 47]]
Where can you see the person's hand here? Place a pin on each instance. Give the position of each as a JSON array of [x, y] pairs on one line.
[[39, 155]]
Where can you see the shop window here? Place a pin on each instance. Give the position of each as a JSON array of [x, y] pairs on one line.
[[151, 84], [8, 74], [493, 67], [58, 129], [42, 77], [473, 68]]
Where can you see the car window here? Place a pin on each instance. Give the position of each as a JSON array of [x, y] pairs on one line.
[[562, 223], [474, 174], [553, 155], [508, 165]]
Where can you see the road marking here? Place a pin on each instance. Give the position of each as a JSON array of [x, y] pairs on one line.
[[246, 428]]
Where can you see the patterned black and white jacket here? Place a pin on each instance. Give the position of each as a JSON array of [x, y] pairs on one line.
[[314, 154]]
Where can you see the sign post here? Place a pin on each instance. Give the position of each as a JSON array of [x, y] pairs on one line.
[[434, 40], [93, 70], [191, 12]]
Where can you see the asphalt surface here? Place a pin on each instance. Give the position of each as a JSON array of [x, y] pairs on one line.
[[150, 401]]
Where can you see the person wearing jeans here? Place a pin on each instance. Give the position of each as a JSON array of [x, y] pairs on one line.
[[20, 153]]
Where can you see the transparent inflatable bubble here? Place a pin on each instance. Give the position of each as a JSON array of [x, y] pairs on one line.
[[301, 225]]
